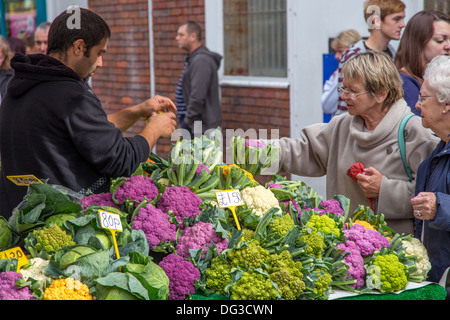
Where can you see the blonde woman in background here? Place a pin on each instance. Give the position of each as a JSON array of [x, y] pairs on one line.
[[367, 133], [5, 68], [340, 44]]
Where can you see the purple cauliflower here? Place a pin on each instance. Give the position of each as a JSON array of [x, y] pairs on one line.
[[9, 290], [181, 200], [360, 242], [199, 236], [100, 199], [333, 206], [367, 240], [201, 167], [330, 205], [355, 263], [254, 143], [156, 226], [136, 188], [275, 186], [182, 275]]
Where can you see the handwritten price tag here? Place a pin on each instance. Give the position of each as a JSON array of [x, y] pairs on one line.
[[15, 253], [25, 180], [229, 198], [109, 220]]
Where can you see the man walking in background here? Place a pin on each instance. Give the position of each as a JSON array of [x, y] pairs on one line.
[[198, 89]]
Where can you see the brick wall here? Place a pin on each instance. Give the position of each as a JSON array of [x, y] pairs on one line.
[[125, 77]]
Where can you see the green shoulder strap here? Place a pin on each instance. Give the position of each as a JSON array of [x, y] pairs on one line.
[[401, 144]]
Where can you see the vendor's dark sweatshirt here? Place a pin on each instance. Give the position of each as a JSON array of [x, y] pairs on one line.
[[54, 127]]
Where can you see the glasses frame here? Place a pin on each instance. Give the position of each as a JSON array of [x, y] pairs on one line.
[[421, 98], [351, 95]]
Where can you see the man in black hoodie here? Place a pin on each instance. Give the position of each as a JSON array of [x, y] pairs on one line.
[[199, 83], [53, 127]]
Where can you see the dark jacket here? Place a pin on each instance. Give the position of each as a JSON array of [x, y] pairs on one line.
[[5, 75], [433, 175], [201, 89], [53, 126]]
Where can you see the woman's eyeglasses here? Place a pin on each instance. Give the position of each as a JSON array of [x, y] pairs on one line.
[[351, 95]]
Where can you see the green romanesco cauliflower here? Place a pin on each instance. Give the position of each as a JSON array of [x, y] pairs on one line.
[[218, 275], [392, 273], [324, 224], [252, 255], [279, 226], [248, 234], [315, 243], [287, 274], [322, 286], [253, 285], [51, 239]]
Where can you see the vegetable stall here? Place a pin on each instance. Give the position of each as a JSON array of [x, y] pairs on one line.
[[190, 227]]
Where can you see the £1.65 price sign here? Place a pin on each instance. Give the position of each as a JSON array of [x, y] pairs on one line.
[[111, 221], [230, 199]]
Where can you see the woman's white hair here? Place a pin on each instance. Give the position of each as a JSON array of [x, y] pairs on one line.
[[437, 73]]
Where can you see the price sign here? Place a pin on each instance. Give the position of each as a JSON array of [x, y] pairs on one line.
[[24, 180], [15, 253], [111, 221], [230, 199]]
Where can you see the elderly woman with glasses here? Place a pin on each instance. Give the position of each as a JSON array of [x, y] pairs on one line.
[[367, 134], [432, 201]]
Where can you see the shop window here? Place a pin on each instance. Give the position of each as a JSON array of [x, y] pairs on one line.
[[19, 17], [255, 38]]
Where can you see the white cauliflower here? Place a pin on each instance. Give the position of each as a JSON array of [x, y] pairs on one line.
[[36, 270], [260, 199], [414, 247]]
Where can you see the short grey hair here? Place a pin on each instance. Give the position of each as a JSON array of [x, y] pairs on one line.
[[437, 73]]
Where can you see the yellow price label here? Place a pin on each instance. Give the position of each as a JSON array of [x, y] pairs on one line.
[[111, 221], [230, 199], [24, 180], [15, 253]]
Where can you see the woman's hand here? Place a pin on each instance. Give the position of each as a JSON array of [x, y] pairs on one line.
[[370, 182], [424, 206]]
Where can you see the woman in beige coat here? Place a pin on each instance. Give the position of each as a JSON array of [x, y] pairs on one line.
[[368, 134]]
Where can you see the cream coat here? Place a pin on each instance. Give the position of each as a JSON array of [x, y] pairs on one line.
[[330, 149]]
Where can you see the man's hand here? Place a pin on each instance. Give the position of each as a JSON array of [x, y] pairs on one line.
[[127, 117], [160, 125], [156, 104], [370, 182]]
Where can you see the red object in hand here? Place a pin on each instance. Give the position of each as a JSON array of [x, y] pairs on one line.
[[355, 169]]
